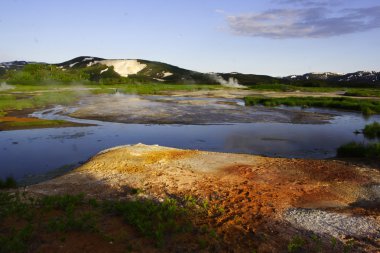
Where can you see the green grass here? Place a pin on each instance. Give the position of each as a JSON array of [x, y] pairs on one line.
[[296, 244], [363, 93], [354, 92], [359, 150], [288, 88], [12, 102], [73, 213], [149, 218], [314, 243], [151, 88], [366, 106], [372, 131]]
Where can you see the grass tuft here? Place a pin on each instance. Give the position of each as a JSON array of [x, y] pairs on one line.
[[366, 106], [354, 149], [155, 220], [372, 131]]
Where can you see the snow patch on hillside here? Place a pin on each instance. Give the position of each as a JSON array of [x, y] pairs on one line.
[[124, 67], [166, 74], [73, 64]]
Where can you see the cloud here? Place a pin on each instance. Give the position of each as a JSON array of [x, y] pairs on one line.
[[313, 22], [308, 2]]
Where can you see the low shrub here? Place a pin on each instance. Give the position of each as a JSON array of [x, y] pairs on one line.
[[354, 149]]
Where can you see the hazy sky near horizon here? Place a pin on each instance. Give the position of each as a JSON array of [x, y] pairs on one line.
[[275, 37]]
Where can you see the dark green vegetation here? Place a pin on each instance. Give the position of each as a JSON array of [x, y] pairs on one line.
[[152, 88], [366, 106], [152, 219], [313, 243], [8, 183], [359, 150], [37, 74], [353, 92], [252, 80], [363, 93], [372, 131], [290, 88], [27, 222], [371, 150]]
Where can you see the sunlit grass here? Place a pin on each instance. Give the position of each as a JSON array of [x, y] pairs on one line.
[[366, 106], [372, 130], [363, 92], [12, 102], [151, 89]]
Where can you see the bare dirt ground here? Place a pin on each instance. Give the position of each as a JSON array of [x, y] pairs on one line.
[[264, 202]]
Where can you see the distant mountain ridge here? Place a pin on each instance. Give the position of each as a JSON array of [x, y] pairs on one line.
[[14, 64], [360, 76], [152, 71]]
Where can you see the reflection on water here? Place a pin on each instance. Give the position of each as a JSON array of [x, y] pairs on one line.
[[25, 153]]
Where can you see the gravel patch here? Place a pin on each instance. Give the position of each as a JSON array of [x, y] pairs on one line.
[[334, 224]]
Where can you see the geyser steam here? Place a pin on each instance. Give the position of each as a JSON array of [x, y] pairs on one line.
[[232, 82]]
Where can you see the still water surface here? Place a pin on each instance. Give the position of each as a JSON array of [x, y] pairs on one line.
[[37, 154]]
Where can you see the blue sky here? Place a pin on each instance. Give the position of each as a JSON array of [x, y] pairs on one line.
[[275, 37]]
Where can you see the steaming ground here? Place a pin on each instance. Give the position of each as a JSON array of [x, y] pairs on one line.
[[231, 83], [185, 110], [5, 86]]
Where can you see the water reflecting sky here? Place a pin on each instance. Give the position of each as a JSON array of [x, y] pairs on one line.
[[37, 151]]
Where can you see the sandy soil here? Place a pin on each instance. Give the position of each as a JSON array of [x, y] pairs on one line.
[[265, 201]]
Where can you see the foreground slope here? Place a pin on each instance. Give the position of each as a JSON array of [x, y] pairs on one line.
[[263, 202]]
